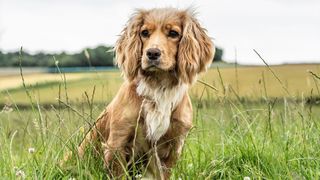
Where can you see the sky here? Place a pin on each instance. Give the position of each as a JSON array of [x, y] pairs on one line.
[[282, 31]]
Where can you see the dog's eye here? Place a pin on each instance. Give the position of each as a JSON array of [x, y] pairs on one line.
[[145, 33], [173, 34]]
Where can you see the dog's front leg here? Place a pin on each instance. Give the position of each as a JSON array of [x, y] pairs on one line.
[[114, 148], [174, 154], [181, 124]]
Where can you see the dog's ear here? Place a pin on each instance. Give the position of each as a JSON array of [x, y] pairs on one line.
[[196, 50], [128, 48]]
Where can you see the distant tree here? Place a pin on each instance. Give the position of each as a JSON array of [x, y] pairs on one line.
[[1, 59], [99, 56], [218, 55]]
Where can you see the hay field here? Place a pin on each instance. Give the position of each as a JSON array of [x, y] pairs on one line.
[[254, 82]]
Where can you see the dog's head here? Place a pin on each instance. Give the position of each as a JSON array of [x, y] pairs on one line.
[[162, 40]]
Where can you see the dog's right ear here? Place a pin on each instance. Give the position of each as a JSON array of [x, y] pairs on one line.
[[128, 48]]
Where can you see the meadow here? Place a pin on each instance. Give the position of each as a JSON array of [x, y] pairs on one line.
[[256, 122]]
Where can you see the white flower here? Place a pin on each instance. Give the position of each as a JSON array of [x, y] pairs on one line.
[[31, 150], [21, 174], [138, 176], [246, 178]]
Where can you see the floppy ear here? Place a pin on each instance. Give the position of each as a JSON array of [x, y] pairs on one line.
[[128, 48], [196, 50]]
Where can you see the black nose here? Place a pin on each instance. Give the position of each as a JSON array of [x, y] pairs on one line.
[[153, 53]]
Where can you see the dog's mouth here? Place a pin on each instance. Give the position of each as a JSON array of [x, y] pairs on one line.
[[156, 66], [153, 67]]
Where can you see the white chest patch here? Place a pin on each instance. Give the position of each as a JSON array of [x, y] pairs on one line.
[[158, 106]]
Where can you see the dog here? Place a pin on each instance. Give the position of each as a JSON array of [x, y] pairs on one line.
[[160, 52]]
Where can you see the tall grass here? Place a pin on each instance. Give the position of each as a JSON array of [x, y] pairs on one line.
[[232, 138]]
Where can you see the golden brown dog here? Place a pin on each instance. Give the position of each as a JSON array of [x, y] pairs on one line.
[[160, 52]]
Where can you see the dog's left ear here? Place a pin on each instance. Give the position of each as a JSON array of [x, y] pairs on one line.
[[128, 48], [196, 49]]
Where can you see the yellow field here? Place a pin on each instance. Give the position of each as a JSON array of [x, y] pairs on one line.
[[295, 79], [251, 82], [9, 82]]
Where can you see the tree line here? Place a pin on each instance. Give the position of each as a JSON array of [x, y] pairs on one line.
[[99, 56]]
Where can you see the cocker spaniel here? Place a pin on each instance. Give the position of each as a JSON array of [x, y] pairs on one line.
[[160, 53]]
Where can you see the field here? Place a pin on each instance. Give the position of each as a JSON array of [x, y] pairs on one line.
[[251, 82], [257, 122]]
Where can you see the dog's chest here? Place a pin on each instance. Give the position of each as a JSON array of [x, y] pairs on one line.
[[157, 107]]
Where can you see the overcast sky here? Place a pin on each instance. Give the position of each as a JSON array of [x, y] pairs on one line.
[[283, 31]]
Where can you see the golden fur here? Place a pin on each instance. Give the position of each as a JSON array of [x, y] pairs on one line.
[[151, 114]]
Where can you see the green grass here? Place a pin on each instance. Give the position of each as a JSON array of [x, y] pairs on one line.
[[229, 140], [261, 135]]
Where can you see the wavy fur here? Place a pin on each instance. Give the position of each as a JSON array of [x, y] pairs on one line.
[[152, 107]]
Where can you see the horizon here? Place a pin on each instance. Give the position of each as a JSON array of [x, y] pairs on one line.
[[283, 32], [222, 60]]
